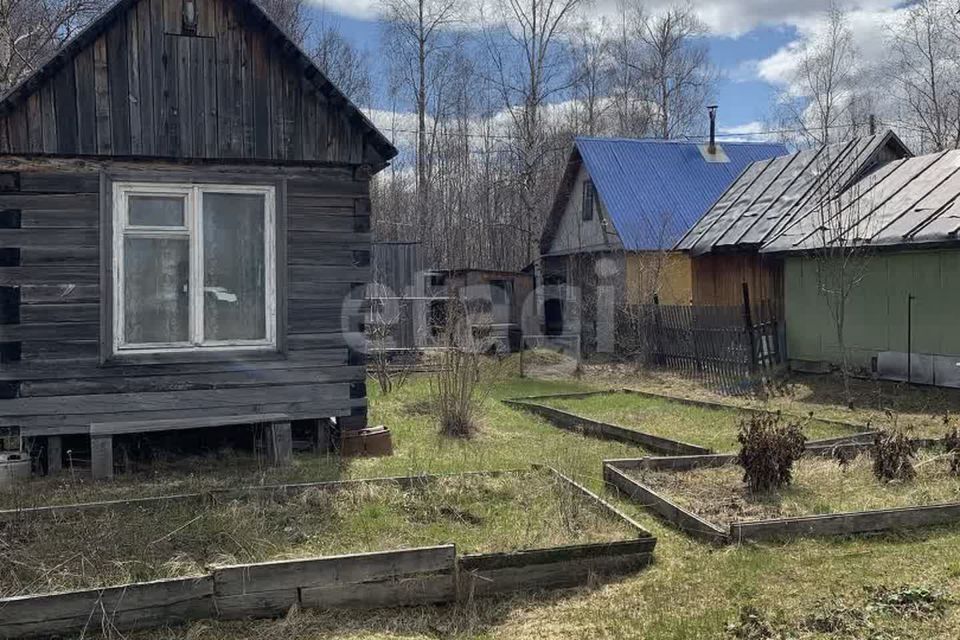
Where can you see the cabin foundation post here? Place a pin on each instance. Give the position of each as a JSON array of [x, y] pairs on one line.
[[101, 457], [355, 421], [280, 443], [54, 455], [323, 438]]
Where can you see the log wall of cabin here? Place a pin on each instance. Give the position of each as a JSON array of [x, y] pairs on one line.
[[145, 87], [52, 378]]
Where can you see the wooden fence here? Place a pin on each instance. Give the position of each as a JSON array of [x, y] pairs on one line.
[[729, 347]]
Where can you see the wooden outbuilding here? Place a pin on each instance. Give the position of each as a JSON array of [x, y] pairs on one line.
[[184, 233], [724, 245]]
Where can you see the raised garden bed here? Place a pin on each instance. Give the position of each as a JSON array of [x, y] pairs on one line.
[[134, 566], [665, 425], [706, 497]]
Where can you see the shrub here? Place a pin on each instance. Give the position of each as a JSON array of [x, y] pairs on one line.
[[768, 449], [893, 456], [952, 443], [460, 385]]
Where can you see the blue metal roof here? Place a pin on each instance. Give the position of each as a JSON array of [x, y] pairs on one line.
[[654, 190]]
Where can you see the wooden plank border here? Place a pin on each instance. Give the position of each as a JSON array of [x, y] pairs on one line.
[[607, 431], [362, 580], [647, 497], [831, 524]]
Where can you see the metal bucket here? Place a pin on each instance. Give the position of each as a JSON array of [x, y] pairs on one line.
[[14, 468]]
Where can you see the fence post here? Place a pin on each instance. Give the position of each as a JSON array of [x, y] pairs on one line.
[[748, 325]]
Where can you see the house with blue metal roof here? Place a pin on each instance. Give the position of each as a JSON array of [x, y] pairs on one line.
[[621, 206]]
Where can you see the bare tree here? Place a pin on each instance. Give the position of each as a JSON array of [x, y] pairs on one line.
[[343, 64], [289, 16], [591, 49], [420, 37], [818, 100], [530, 65], [926, 67], [675, 62], [839, 240], [31, 32]]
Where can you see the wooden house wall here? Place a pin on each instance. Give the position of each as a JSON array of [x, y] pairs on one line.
[[718, 280], [51, 377], [146, 88]]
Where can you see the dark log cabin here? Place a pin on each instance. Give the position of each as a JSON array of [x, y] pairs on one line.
[[184, 222]]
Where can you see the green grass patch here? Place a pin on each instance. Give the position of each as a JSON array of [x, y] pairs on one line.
[[713, 428]]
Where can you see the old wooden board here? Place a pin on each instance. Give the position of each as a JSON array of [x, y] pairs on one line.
[[607, 431], [685, 520], [331, 570], [132, 606]]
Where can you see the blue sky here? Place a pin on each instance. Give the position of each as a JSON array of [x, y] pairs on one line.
[[751, 49]]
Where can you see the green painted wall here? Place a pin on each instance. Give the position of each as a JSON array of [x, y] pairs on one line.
[[877, 310]]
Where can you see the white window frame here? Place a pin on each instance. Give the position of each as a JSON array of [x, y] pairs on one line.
[[192, 231]]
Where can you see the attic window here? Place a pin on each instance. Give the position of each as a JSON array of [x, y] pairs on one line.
[[194, 268], [589, 197]]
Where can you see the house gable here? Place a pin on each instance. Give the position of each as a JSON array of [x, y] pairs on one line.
[[139, 82], [573, 234]]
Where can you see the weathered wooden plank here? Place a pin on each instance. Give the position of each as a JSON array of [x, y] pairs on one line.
[[685, 520], [256, 605], [59, 313], [321, 360], [38, 294], [50, 331], [169, 100], [48, 107], [557, 575], [188, 381], [518, 559], [61, 423], [332, 570], [40, 274], [86, 102], [101, 88], [117, 428], [34, 116], [19, 131], [134, 60], [169, 400], [260, 63], [147, 604], [50, 350], [119, 78], [63, 219], [404, 592], [836, 524], [65, 95], [604, 430], [48, 238], [146, 64], [210, 120]]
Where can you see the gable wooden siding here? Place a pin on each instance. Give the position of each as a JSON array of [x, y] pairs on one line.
[[144, 88]]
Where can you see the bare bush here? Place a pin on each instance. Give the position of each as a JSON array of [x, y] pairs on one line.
[[460, 385], [768, 449], [952, 443], [893, 456]]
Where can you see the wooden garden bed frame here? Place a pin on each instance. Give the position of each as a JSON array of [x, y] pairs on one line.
[[427, 575], [832, 524], [657, 444]]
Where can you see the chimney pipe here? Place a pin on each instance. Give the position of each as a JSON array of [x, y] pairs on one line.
[[712, 148]]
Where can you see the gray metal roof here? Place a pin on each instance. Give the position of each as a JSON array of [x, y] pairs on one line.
[[771, 194], [910, 202]]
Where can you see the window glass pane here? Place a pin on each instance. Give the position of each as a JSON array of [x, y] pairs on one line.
[[156, 280], [234, 295], [156, 211]]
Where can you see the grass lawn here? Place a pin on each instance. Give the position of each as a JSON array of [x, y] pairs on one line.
[[819, 486], [879, 587], [712, 428], [478, 513]]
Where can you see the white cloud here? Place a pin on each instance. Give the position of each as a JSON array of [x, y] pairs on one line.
[[363, 9]]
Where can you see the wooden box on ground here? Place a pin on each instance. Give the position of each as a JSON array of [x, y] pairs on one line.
[[371, 442]]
